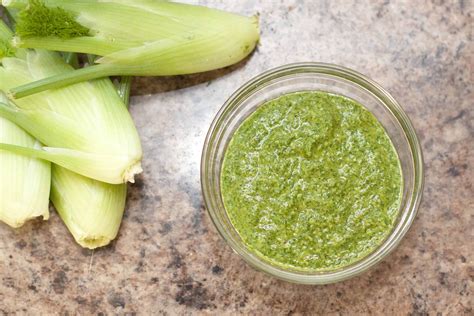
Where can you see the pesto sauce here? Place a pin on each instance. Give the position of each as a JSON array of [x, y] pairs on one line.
[[311, 181]]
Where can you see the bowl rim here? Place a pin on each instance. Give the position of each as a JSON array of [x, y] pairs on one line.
[[416, 157]]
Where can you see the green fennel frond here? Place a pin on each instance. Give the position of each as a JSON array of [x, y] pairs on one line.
[[6, 49], [38, 20]]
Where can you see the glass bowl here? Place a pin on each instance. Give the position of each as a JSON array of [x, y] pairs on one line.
[[313, 77]]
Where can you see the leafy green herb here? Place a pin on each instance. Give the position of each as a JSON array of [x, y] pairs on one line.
[[38, 20]]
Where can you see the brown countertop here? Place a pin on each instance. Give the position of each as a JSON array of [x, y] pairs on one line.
[[169, 259]]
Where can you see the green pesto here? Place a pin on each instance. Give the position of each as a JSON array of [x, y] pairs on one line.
[[38, 20], [311, 181]]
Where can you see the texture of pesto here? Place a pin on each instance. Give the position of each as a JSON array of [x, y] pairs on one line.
[[311, 181]]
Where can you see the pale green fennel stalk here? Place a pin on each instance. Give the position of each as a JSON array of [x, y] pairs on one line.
[[141, 38]]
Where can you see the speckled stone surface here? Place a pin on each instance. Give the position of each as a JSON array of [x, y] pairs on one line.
[[169, 259]]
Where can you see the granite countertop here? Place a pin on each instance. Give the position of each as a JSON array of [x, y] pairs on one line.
[[169, 259]]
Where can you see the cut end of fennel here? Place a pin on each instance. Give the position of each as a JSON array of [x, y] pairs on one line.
[[16, 42], [132, 171], [17, 223], [93, 242]]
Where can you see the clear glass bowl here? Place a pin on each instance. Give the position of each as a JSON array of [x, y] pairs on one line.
[[312, 77]]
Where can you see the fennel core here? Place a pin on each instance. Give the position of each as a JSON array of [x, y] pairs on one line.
[[161, 38]]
